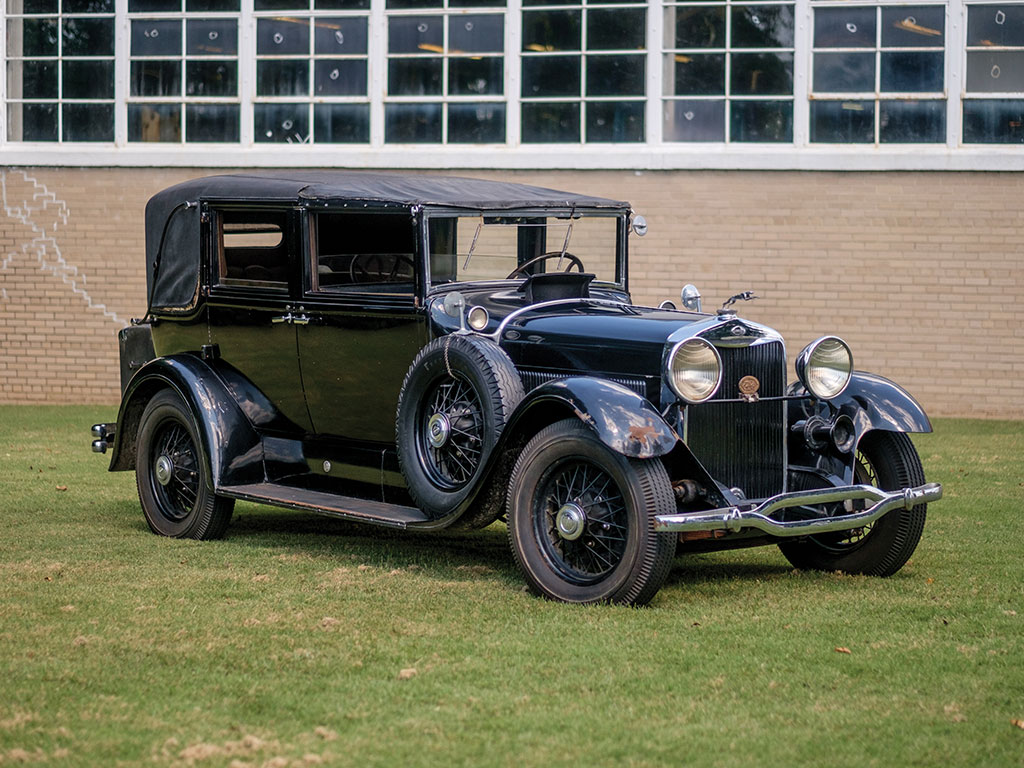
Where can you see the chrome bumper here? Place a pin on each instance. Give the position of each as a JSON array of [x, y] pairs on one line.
[[758, 516]]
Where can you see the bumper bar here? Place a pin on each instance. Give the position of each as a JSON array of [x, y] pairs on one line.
[[758, 516]]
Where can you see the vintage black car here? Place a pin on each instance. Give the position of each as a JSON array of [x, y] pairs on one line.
[[422, 352]]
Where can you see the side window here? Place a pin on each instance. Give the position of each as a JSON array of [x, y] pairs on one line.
[[252, 248], [364, 252]]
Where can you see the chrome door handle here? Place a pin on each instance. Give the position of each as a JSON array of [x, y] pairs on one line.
[[289, 318], [301, 319]]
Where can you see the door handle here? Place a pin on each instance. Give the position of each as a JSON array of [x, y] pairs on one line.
[[301, 319], [288, 318]]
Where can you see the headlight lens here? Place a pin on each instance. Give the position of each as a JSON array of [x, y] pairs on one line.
[[694, 370], [824, 367]]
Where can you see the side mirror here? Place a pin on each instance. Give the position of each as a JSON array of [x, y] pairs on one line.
[[690, 297], [639, 225]]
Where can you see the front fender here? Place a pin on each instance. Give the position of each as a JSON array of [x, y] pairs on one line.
[[230, 445]]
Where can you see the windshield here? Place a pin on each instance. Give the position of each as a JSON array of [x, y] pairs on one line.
[[464, 248]]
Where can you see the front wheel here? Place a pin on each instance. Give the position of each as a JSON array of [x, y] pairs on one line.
[[887, 460], [581, 519]]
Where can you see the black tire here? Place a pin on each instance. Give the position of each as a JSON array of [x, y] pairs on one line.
[[889, 461], [605, 503], [455, 401], [172, 476]]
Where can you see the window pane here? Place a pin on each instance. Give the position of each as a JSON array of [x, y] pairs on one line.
[[32, 79], [912, 27], [211, 78], [38, 122], [281, 123], [549, 122], [88, 122], [212, 5], [843, 122], [211, 37], [610, 121], [480, 3], [993, 121], [282, 36], [280, 5], [762, 26], [695, 74], [616, 29], [412, 123], [844, 72], [88, 79], [483, 76], [551, 31], [844, 27], [156, 37], [694, 121], [416, 34], [699, 27], [995, 71], [551, 76], [762, 74], [288, 77], [414, 3], [995, 25], [88, 6], [211, 122], [414, 77], [38, 36], [615, 75], [768, 121], [154, 122], [342, 5], [909, 122], [156, 78], [911, 71], [339, 77], [340, 35], [38, 6], [476, 34], [143, 6], [341, 123], [88, 37], [476, 123]]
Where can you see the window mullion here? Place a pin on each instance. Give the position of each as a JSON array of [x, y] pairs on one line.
[[513, 72], [377, 50], [246, 73], [122, 66], [655, 57], [956, 68], [803, 27]]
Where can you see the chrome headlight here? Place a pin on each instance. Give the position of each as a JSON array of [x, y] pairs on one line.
[[824, 367], [694, 370]]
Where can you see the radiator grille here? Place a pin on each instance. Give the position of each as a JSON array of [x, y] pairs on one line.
[[533, 379], [743, 444]]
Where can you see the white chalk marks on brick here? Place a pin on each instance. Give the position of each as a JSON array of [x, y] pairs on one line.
[[41, 211]]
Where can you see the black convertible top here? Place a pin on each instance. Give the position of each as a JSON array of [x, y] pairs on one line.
[[172, 216]]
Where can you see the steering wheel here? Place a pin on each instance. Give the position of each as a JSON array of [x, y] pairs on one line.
[[373, 268], [573, 262]]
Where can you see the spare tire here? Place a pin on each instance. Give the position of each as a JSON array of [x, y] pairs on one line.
[[455, 400]]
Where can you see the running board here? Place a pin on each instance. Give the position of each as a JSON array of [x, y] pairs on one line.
[[333, 505]]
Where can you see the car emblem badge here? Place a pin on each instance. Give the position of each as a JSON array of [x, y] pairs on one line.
[[749, 385], [738, 330]]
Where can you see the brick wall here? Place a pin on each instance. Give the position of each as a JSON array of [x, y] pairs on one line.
[[922, 273]]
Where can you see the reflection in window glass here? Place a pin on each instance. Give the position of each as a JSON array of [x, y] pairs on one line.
[[341, 123], [843, 122], [906, 122], [994, 81], [695, 120], [211, 122], [994, 121]]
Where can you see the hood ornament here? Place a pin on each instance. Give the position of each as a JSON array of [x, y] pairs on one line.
[[745, 296]]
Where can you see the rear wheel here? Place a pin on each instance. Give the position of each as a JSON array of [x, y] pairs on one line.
[[887, 460]]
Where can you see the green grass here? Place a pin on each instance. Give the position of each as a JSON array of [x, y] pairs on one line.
[[285, 644]]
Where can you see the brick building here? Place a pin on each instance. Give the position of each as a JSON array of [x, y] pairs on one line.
[[857, 165]]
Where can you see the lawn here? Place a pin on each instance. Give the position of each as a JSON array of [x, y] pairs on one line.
[[303, 641]]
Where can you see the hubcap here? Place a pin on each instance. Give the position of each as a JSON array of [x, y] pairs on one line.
[[164, 469], [570, 521], [438, 429]]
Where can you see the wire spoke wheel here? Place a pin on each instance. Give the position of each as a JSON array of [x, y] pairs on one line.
[[864, 473], [175, 478], [452, 432]]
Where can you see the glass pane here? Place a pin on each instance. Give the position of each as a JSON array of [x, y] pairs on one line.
[[281, 123], [280, 5], [412, 123], [88, 37], [995, 24], [995, 71], [341, 123], [844, 72], [548, 122], [211, 122], [843, 122], [37, 6], [551, 31], [616, 29], [551, 76], [32, 79], [476, 34], [282, 36], [154, 122], [339, 77], [762, 74], [615, 75], [476, 123], [695, 74], [993, 121], [694, 121], [88, 122], [480, 3], [143, 6], [698, 26], [341, 5], [909, 122], [32, 122], [414, 77], [767, 121], [613, 121], [913, 27], [88, 79], [762, 26], [156, 37], [156, 78], [551, 2], [482, 76], [340, 35], [212, 5], [844, 27], [211, 37], [288, 77], [912, 71], [88, 6], [211, 78], [38, 36], [416, 34], [414, 3]]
